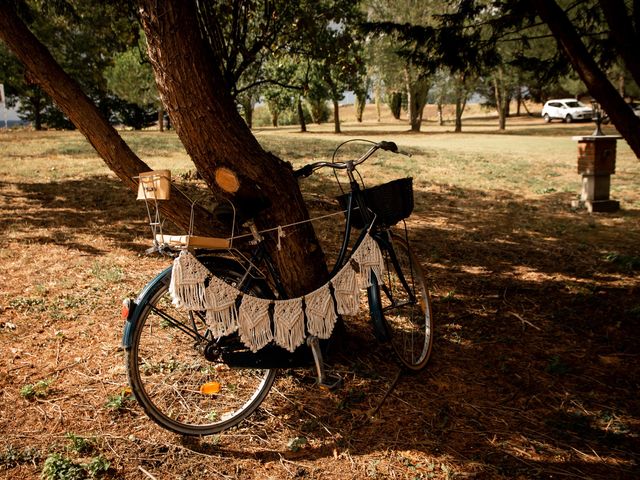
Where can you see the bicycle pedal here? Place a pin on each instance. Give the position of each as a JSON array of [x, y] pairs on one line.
[[330, 383]]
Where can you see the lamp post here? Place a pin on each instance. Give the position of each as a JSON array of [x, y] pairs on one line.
[[597, 118], [596, 164]]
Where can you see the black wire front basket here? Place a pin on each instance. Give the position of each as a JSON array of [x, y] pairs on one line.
[[391, 202]]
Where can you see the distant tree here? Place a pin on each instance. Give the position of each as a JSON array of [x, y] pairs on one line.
[[82, 36], [394, 100], [389, 21], [207, 122], [622, 26], [361, 93], [131, 78]]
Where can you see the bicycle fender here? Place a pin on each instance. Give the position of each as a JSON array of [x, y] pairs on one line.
[[136, 309], [210, 261]]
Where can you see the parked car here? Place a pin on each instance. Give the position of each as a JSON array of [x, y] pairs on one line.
[[567, 110]]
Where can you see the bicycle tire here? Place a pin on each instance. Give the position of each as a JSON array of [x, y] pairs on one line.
[[408, 323], [167, 372]]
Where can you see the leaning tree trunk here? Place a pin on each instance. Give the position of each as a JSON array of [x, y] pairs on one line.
[[220, 143], [67, 94], [593, 77]]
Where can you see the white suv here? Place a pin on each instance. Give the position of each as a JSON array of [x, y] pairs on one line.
[[567, 110]]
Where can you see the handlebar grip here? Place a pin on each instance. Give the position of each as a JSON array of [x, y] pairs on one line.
[[303, 172]]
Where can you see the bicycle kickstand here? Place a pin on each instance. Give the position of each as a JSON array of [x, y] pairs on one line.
[[325, 381]]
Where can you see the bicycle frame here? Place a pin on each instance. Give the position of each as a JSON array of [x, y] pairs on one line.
[[271, 356]]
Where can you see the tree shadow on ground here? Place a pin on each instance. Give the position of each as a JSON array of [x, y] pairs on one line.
[[68, 212], [534, 372]]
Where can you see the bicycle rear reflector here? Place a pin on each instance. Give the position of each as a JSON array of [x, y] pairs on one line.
[[210, 388]]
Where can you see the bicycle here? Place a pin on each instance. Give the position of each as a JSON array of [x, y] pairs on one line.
[[191, 382]]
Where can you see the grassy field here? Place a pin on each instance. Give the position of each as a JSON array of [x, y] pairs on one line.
[[534, 372]]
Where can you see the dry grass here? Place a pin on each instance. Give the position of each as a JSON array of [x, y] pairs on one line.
[[535, 366]]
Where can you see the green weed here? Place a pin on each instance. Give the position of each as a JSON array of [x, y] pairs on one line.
[[449, 297], [295, 444], [39, 389], [12, 457], [119, 401], [107, 273], [28, 304], [97, 466], [80, 444], [556, 366], [626, 262], [634, 311], [59, 467]]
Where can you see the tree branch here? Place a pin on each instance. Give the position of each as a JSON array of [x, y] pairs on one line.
[[593, 77], [76, 105], [623, 34]]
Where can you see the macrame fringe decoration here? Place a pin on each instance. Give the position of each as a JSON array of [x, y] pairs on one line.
[[254, 324], [288, 323], [369, 259], [346, 291], [187, 282], [320, 312], [252, 319], [220, 300]]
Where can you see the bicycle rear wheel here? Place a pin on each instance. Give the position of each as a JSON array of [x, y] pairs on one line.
[[175, 384], [405, 304]]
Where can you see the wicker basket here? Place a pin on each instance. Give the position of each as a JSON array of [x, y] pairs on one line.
[[391, 202]]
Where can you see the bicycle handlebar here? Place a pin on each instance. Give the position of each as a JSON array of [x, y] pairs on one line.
[[308, 169]]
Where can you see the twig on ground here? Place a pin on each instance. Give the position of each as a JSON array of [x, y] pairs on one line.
[[525, 321], [146, 473]]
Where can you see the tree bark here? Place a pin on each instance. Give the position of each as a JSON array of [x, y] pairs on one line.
[[461, 100], [303, 123], [621, 30], [417, 90], [336, 116], [593, 77], [205, 117], [67, 94], [378, 101], [500, 100]]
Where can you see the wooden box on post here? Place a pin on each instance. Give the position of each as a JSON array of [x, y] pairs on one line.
[[596, 164], [597, 155]]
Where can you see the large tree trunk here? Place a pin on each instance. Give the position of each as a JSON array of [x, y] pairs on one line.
[[215, 136], [593, 77], [623, 33], [45, 71]]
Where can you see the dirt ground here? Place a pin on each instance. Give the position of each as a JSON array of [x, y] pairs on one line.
[[534, 372]]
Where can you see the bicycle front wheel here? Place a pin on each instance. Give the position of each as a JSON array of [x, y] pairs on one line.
[[175, 384], [405, 304]]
